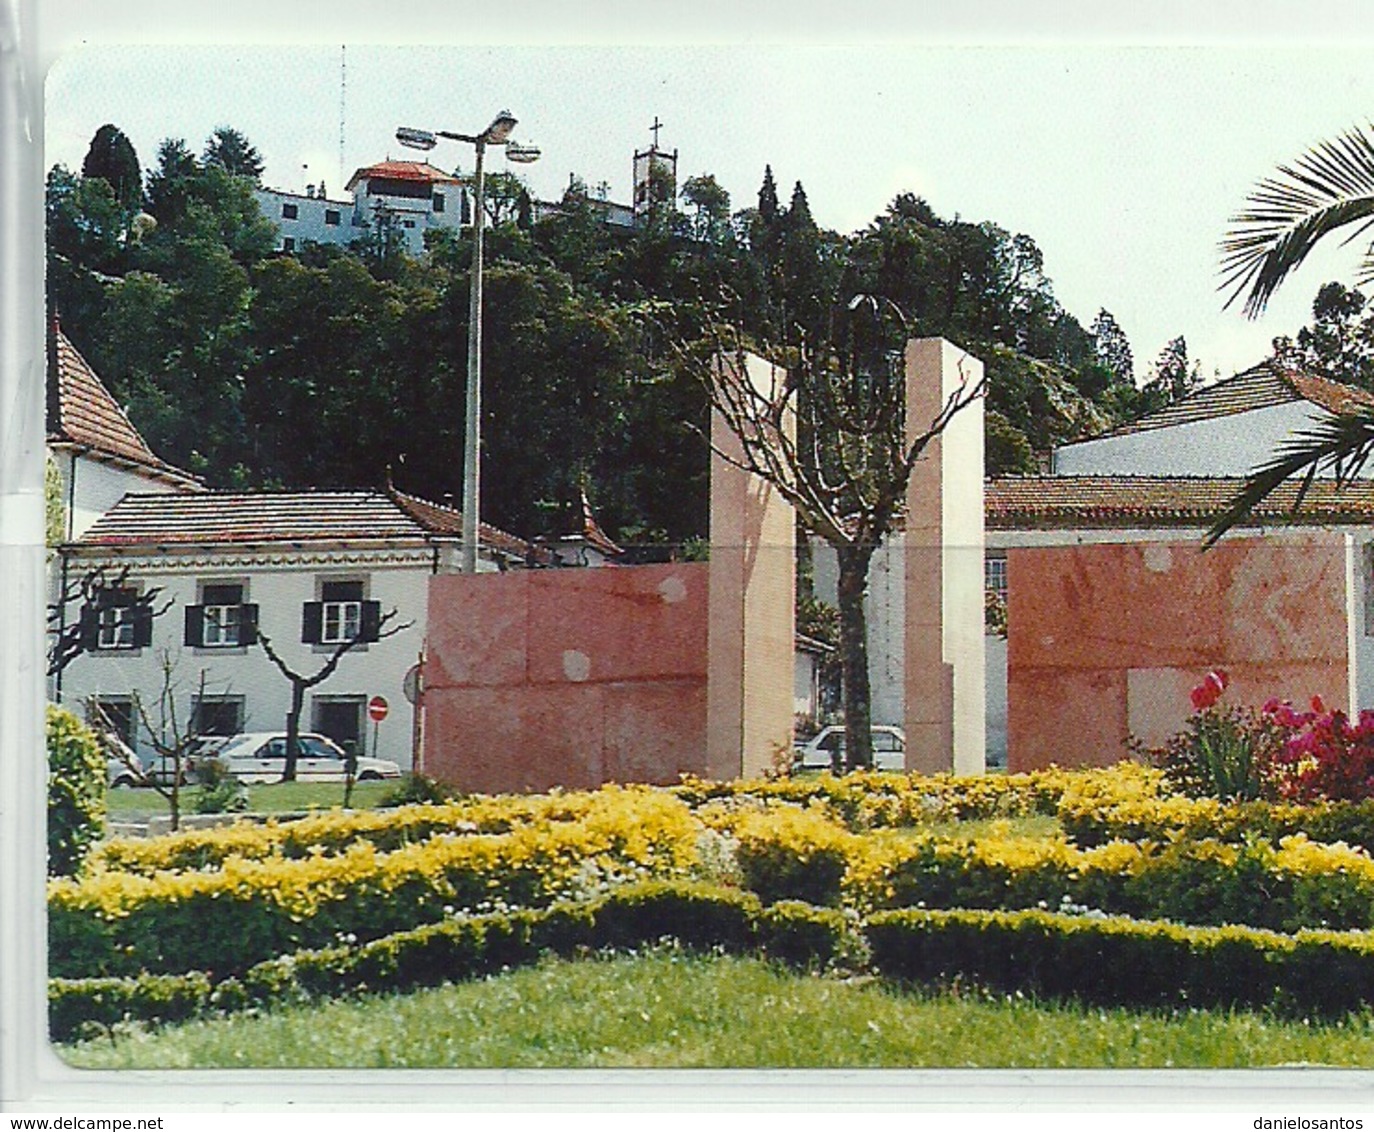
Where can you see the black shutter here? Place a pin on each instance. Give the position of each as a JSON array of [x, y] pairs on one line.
[[312, 622], [142, 617], [370, 624], [248, 624], [90, 628], [195, 626]]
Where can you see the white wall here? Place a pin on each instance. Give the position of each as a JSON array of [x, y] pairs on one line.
[[309, 222], [1223, 446], [396, 579], [98, 487], [884, 609]]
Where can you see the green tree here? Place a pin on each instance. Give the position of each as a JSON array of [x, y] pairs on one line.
[[112, 158], [1339, 342], [76, 791], [230, 150]]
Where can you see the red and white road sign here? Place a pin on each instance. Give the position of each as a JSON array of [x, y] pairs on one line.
[[376, 709]]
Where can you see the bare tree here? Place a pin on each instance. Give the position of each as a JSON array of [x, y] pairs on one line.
[[168, 733], [96, 591], [300, 682], [829, 433]]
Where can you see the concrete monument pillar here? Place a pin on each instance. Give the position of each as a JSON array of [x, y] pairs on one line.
[[944, 666], [750, 642]]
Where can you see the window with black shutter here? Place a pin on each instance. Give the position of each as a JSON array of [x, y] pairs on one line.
[[114, 621], [341, 612], [221, 618]]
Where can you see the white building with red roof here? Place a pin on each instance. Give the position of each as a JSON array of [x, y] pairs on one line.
[[1110, 602], [413, 196], [308, 570]]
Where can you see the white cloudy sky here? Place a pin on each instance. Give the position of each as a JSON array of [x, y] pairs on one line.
[[1121, 148]]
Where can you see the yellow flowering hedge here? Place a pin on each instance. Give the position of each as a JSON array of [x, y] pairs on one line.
[[335, 831], [1297, 884], [223, 920]]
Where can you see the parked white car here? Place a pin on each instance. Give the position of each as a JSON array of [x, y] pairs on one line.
[[260, 756], [818, 753]]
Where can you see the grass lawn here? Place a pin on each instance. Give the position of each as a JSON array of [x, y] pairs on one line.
[[666, 1009], [135, 803]]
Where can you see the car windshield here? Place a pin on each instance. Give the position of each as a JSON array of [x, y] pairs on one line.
[[314, 748]]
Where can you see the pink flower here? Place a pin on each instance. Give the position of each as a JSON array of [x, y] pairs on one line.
[[1209, 691], [1271, 706], [1317, 705]]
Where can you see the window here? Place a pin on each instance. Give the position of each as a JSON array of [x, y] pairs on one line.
[[217, 715], [995, 576], [288, 244], [340, 718], [340, 615], [116, 620], [438, 201], [331, 216], [222, 619], [115, 713], [288, 212]]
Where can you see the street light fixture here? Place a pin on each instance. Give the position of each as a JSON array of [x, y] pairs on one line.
[[498, 133]]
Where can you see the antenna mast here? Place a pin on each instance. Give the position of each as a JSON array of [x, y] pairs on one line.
[[343, 104]]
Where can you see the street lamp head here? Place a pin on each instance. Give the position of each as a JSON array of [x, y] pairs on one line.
[[500, 129], [521, 154], [416, 139]]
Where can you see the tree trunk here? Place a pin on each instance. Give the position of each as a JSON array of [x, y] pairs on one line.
[[293, 730], [858, 708]]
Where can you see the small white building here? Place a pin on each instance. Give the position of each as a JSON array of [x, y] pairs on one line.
[[413, 195], [99, 454], [306, 570]]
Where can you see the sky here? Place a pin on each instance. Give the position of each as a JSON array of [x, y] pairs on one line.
[[1121, 149]]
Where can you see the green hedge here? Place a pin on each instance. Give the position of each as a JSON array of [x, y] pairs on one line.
[[76, 791], [1163, 820], [695, 915], [1123, 962]]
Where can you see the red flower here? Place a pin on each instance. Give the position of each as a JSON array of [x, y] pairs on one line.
[[1317, 705], [1209, 691]]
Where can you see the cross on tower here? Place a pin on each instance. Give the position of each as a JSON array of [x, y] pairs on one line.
[[656, 127]]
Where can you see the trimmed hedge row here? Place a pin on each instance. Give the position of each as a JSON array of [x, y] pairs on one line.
[[1094, 822], [1122, 962], [224, 921], [334, 832], [696, 915]]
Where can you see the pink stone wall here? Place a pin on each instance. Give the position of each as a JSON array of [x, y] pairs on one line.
[[574, 678], [1106, 641]]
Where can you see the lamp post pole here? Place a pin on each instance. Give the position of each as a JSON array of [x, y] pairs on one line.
[[498, 133], [472, 437]]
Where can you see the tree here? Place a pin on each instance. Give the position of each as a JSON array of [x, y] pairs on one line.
[[1173, 377], [231, 151], [112, 158], [376, 627], [1339, 342], [1321, 192], [107, 604], [830, 435], [711, 208], [170, 182], [1112, 348]]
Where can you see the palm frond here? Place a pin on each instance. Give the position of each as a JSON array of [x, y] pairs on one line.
[[1326, 189], [1341, 446]]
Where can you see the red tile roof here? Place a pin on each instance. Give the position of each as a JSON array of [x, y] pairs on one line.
[[1050, 502], [1259, 387], [439, 519], [254, 518], [421, 171], [85, 415]]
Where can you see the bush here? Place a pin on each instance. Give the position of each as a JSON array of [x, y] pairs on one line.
[[219, 792], [1223, 752], [1122, 962], [694, 915], [791, 854], [76, 791], [414, 789]]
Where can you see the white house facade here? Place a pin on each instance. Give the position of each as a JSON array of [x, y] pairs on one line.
[[306, 571]]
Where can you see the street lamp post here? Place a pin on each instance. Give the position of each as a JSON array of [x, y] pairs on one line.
[[498, 133]]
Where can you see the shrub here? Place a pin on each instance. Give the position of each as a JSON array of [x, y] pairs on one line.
[[1324, 756], [792, 854], [77, 1006], [1223, 752], [416, 788], [1118, 961], [76, 791], [220, 792]]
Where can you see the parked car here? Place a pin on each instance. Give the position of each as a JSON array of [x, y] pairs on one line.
[[122, 767], [260, 756], [818, 753]]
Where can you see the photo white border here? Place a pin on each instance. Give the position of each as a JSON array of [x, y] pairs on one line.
[[32, 34]]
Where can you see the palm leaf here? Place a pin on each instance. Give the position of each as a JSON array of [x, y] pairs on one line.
[[1341, 446], [1328, 188]]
